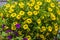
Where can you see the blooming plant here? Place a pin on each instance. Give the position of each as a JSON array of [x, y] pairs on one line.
[[29, 20]]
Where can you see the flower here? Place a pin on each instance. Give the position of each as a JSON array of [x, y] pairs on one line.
[[18, 26], [25, 26], [21, 4], [30, 4], [20, 32], [52, 4], [24, 18], [7, 15], [54, 32], [16, 33], [11, 10], [49, 28], [52, 16], [7, 31], [9, 37], [58, 12], [29, 13], [18, 17], [21, 13], [25, 39], [15, 3], [50, 9], [7, 5], [35, 12], [13, 28], [58, 2], [56, 28], [29, 37], [41, 36], [3, 25], [38, 21], [29, 21], [32, 0], [36, 7], [1, 14], [47, 33], [39, 3], [6, 27], [43, 29], [12, 6], [48, 1], [13, 14], [14, 23]]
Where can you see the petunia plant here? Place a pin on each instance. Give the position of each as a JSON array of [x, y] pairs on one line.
[[30, 20]]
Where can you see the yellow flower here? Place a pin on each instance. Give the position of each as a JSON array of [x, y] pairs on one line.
[[55, 24], [47, 33], [52, 16], [42, 17], [13, 28], [35, 12], [7, 5], [58, 2], [38, 21], [44, 39], [13, 14], [18, 16], [24, 18], [54, 32], [1, 14], [20, 32], [15, 3], [29, 13], [52, 4], [41, 36], [30, 4], [29, 37], [29, 20], [49, 28], [56, 28], [7, 15], [11, 10], [21, 4], [48, 1], [6, 27], [36, 7], [14, 23], [43, 28], [32, 0], [21, 13], [25, 26], [12, 6], [37, 34], [50, 9], [58, 12], [39, 3]]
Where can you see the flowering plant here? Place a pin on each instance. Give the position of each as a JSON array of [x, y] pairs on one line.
[[29, 20]]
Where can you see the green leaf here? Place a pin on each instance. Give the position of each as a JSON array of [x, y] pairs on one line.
[[58, 36], [4, 34]]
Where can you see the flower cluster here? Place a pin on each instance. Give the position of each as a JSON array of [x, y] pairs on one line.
[[29, 20]]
